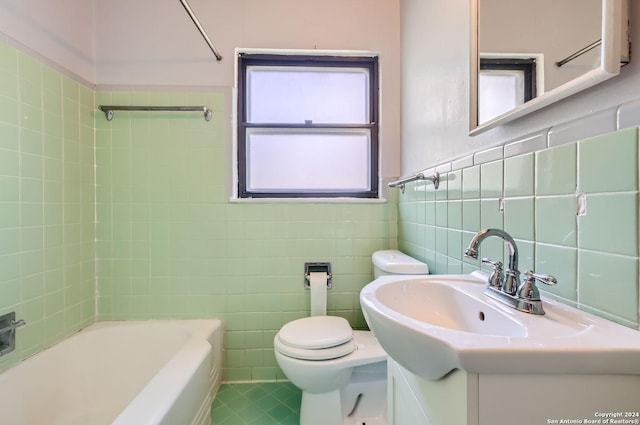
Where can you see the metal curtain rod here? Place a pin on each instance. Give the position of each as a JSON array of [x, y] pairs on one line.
[[202, 31], [435, 179], [108, 110], [579, 53]]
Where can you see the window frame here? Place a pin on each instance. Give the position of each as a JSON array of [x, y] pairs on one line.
[[246, 60], [525, 65]]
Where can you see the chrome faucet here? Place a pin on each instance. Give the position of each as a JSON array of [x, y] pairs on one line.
[[512, 274], [505, 287]]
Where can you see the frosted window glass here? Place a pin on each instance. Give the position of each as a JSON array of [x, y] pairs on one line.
[[281, 160], [335, 96], [499, 92]]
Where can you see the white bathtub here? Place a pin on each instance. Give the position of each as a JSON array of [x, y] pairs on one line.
[[120, 373]]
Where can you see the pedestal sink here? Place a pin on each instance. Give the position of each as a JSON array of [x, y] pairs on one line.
[[434, 324]]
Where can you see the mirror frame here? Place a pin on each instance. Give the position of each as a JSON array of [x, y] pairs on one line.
[[614, 34]]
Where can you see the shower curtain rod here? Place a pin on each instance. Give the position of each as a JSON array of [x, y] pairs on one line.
[[202, 31], [579, 53]]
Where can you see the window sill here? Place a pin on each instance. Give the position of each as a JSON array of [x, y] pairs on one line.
[[308, 200]]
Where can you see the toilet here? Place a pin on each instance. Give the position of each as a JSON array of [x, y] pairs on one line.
[[342, 372], [393, 262]]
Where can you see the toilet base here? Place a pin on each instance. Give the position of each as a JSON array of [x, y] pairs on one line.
[[349, 390]]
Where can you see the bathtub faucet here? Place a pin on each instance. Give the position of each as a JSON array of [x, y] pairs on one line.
[[505, 288], [8, 326]]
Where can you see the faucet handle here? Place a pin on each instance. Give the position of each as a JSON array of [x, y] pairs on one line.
[[528, 289], [544, 278], [496, 279]]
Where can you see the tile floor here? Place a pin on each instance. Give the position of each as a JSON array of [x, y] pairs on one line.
[[257, 404]]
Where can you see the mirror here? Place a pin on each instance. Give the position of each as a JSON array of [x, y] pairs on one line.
[[526, 55]]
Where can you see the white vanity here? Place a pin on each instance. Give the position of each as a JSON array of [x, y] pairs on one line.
[[460, 357], [494, 399]]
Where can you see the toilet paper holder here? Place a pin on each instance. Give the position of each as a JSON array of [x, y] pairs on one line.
[[316, 268]]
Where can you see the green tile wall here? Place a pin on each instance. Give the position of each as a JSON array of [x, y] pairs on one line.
[[594, 256], [47, 208], [170, 244], [131, 219]]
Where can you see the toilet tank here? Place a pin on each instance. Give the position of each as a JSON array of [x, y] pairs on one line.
[[392, 261]]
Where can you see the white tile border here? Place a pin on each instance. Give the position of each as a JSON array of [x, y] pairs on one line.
[[628, 115], [606, 121], [584, 127], [527, 144], [488, 155], [464, 162]]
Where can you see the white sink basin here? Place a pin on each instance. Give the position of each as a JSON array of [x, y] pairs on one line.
[[434, 324]]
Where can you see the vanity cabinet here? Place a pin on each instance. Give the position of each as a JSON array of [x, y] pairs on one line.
[[490, 399], [452, 400]]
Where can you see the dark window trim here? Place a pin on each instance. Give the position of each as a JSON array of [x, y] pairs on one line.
[[370, 62], [527, 66]]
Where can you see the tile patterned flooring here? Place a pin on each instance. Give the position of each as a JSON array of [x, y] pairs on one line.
[[257, 404]]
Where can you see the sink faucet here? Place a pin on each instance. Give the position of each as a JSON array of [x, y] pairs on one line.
[[512, 274], [525, 297]]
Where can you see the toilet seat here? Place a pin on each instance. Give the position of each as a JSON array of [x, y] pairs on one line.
[[316, 354], [316, 338]]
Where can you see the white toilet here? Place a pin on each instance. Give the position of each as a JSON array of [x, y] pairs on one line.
[[342, 373]]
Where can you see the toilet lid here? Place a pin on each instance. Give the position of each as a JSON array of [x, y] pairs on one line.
[[316, 332]]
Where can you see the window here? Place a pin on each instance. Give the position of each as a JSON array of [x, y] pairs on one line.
[[307, 126], [504, 84]]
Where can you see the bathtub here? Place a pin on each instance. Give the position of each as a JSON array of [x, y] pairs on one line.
[[120, 373]]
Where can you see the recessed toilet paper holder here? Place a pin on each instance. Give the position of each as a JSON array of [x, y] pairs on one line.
[[316, 268]]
